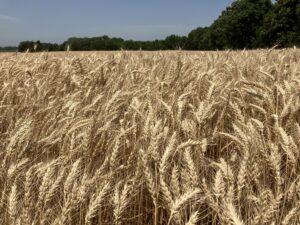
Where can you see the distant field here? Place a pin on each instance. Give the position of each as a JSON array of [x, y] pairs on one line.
[[150, 138]]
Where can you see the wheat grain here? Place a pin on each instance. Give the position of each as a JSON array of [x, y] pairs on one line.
[[150, 137]]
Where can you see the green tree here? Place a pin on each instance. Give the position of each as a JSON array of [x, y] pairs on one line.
[[281, 25], [8, 49], [174, 42], [237, 27], [197, 39]]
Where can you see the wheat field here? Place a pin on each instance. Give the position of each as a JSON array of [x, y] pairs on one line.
[[150, 138]]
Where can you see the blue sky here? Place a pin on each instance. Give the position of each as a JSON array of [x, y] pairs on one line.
[[57, 20]]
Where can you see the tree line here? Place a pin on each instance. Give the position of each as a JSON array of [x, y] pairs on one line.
[[8, 49], [246, 24], [105, 43]]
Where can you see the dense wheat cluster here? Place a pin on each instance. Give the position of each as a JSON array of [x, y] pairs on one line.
[[163, 138]]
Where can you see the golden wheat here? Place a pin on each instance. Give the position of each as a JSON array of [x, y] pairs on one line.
[[150, 138]]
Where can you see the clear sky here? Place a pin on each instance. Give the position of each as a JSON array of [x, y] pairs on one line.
[[57, 20]]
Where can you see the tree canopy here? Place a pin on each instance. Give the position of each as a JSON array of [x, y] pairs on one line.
[[246, 24], [8, 49]]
